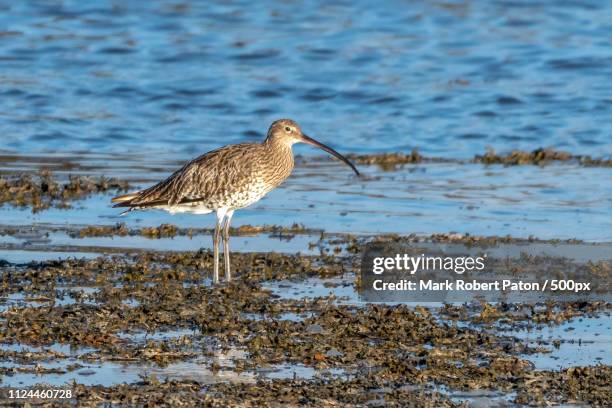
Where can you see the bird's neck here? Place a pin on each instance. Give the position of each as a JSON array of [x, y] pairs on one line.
[[277, 145], [280, 158]]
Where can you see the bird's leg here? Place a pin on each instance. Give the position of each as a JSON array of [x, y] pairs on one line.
[[226, 251], [216, 237]]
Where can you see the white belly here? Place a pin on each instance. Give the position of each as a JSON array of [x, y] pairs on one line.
[[186, 208], [238, 200]]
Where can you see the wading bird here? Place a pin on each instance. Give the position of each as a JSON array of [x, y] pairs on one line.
[[225, 180]]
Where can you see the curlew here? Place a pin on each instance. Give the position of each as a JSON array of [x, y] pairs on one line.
[[227, 179]]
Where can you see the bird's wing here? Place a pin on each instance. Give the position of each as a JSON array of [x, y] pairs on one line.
[[203, 177]]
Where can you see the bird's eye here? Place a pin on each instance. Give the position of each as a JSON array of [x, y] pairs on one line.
[[287, 129]]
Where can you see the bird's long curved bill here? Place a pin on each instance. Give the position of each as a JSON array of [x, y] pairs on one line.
[[311, 141]]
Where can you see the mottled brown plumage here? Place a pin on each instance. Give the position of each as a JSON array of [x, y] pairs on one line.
[[227, 179]]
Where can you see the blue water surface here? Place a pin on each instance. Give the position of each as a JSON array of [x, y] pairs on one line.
[[449, 78]]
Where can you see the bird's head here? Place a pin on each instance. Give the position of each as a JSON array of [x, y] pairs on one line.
[[287, 132]]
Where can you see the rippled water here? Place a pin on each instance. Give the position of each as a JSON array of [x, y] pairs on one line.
[[447, 77], [556, 201]]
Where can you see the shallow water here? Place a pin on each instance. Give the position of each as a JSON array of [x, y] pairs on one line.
[[112, 373], [586, 340], [581, 341], [447, 77], [558, 201]]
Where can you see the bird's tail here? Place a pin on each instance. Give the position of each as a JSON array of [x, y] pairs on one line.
[[124, 200], [135, 201]]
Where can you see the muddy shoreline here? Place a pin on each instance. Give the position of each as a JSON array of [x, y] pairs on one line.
[[114, 315], [360, 354]]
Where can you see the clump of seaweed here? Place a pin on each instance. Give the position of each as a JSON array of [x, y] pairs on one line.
[[42, 190], [539, 156], [591, 385], [356, 244], [509, 315], [163, 231], [171, 230], [388, 161], [119, 229]]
